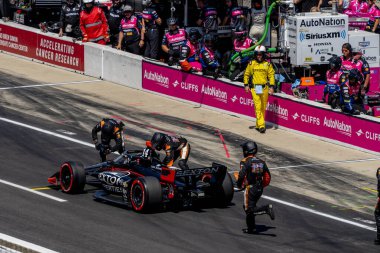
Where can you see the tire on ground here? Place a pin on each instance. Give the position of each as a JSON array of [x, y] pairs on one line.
[[145, 193], [72, 177]]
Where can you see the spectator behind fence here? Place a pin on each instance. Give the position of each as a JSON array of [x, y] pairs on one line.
[[151, 21], [131, 39], [114, 17], [93, 23], [189, 58], [173, 41], [373, 22], [69, 19]]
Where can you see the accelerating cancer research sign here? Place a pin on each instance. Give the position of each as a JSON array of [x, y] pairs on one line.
[[291, 113], [41, 47]]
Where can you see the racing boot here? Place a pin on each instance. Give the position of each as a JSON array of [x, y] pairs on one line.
[[250, 221]]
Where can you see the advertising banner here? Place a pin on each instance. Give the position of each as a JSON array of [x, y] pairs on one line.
[[286, 112], [42, 47]]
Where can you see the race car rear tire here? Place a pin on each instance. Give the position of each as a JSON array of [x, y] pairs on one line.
[[225, 192], [145, 193], [72, 177]]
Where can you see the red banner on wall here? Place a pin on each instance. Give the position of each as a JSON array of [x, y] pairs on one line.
[[42, 47]]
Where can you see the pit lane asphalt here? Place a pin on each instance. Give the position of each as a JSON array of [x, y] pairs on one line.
[[83, 225]]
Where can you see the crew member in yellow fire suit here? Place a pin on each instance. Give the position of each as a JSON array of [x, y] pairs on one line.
[[257, 76]]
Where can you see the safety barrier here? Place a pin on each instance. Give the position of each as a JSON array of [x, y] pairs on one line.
[[285, 111], [308, 117], [34, 44]]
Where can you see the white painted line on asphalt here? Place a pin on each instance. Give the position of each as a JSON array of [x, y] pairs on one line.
[[32, 191], [48, 84], [321, 214], [47, 132], [266, 197], [24, 244]]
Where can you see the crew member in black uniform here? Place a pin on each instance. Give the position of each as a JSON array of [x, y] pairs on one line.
[[110, 130], [174, 146], [254, 175], [377, 209], [114, 17], [151, 21], [69, 19]]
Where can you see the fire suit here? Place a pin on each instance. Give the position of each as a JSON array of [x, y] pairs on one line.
[[150, 16], [350, 97], [262, 73], [69, 20], [94, 26], [114, 17], [254, 175], [209, 61], [332, 89], [373, 22], [174, 40], [236, 68], [359, 64], [176, 147], [110, 130], [130, 29], [189, 57], [377, 208]]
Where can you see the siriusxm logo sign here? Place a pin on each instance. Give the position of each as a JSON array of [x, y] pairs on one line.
[[317, 36]]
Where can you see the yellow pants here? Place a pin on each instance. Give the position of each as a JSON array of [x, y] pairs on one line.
[[260, 101]]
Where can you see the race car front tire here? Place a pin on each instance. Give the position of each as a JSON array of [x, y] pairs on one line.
[[145, 193], [72, 177]]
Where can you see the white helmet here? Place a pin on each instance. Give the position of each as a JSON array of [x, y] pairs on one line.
[[88, 1], [260, 49], [127, 7]]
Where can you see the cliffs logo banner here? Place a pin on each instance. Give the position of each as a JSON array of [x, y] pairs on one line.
[[322, 36]]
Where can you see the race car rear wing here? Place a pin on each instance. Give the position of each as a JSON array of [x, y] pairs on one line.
[[216, 170]]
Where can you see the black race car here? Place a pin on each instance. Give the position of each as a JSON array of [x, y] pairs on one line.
[[133, 181]]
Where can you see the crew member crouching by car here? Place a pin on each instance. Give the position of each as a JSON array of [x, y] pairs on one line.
[[110, 130], [174, 146]]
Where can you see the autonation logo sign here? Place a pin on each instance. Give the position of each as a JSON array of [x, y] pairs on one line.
[[318, 36], [323, 22]]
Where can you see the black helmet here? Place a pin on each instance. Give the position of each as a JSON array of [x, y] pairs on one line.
[[157, 140], [249, 148], [335, 62], [171, 21], [209, 40], [108, 128], [354, 74], [194, 35], [240, 33]]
